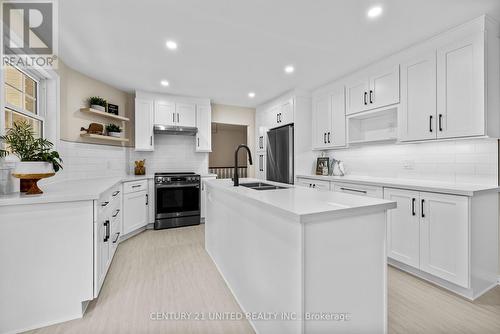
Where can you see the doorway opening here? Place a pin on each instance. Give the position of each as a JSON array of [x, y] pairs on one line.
[[225, 140]]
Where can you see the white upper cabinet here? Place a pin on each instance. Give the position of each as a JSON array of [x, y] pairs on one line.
[[286, 112], [204, 124], [164, 113], [143, 125], [329, 120], [378, 90], [185, 114], [461, 88], [417, 119]]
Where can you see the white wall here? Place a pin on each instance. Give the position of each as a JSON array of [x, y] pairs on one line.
[[458, 161], [173, 153]]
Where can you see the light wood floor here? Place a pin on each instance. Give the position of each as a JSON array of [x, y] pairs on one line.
[[169, 271]]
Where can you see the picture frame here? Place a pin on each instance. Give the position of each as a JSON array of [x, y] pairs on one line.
[[112, 109], [321, 163]]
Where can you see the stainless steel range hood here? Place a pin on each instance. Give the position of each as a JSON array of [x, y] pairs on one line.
[[175, 130]]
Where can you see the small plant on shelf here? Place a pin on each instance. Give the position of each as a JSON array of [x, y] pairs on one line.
[[113, 130], [97, 103]]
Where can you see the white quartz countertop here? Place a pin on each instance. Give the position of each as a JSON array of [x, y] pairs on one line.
[[303, 202], [70, 190], [419, 185]]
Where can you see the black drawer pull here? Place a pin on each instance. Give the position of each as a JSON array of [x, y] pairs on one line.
[[422, 208], [355, 190], [116, 213], [116, 193], [117, 236]]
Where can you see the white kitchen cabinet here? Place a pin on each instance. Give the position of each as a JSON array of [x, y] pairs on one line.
[[312, 183], [260, 172], [204, 125], [329, 121], [444, 237], [403, 227], [185, 114], [461, 88], [373, 91], [430, 231], [164, 113], [135, 205], [358, 189], [418, 117], [143, 125], [282, 113], [203, 195]]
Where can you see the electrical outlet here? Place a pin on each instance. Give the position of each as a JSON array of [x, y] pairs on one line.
[[409, 164]]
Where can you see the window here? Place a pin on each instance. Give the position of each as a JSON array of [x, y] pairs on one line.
[[21, 99]]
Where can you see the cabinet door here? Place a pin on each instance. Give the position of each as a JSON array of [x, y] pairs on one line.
[[143, 125], [273, 116], [164, 113], [186, 114], [322, 112], [101, 256], [357, 96], [403, 226], [384, 88], [460, 88], [336, 137], [286, 112], [203, 194], [418, 99], [444, 237], [204, 124], [135, 214]]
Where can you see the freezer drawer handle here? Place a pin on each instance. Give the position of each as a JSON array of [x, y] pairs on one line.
[[355, 190]]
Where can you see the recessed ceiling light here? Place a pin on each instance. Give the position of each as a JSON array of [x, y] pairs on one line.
[[251, 95], [289, 69], [374, 12], [164, 83], [171, 45]]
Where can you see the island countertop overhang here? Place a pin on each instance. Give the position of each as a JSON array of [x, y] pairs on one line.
[[303, 204]]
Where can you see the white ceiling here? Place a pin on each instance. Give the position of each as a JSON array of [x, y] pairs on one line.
[[228, 48]]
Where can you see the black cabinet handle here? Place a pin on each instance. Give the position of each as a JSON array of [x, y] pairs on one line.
[[198, 142], [177, 117], [173, 117], [364, 99], [136, 186], [413, 207], [324, 138], [440, 122], [104, 203], [422, 208], [277, 118], [151, 140], [430, 123], [116, 213], [117, 236], [106, 226], [329, 137], [314, 186], [147, 199], [371, 96], [354, 190], [116, 193]]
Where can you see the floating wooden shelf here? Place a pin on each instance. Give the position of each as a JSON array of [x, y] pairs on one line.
[[104, 114], [94, 136]]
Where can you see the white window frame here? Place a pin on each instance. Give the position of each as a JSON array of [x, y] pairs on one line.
[[41, 91]]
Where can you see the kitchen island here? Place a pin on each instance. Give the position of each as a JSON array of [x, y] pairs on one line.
[[300, 260]]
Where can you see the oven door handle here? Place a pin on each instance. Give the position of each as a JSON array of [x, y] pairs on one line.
[[164, 186]]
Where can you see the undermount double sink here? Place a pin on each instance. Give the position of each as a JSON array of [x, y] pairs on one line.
[[261, 186]]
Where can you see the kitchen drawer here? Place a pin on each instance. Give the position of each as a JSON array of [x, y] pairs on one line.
[[358, 189], [316, 184], [134, 186]]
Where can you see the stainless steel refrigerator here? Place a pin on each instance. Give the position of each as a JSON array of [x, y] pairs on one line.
[[279, 166]]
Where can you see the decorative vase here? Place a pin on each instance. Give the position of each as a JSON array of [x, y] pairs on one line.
[[96, 107], [30, 172], [115, 134]]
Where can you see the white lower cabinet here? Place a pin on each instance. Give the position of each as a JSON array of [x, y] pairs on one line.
[[203, 195], [135, 205], [430, 231], [312, 183]]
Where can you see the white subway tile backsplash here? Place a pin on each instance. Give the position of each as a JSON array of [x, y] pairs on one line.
[[458, 161]]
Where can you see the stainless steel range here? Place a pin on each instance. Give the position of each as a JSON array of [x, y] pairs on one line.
[[177, 200]]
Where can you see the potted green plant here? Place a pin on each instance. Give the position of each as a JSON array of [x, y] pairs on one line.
[[114, 130], [97, 103], [35, 154]]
